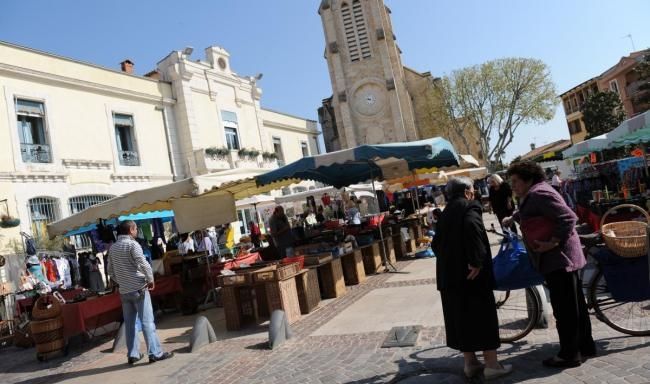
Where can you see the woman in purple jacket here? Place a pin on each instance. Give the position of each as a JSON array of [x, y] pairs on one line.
[[548, 226]]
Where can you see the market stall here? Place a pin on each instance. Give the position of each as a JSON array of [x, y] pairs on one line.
[[610, 170]]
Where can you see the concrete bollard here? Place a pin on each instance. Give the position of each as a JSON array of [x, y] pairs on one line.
[[279, 330], [120, 340], [202, 334]]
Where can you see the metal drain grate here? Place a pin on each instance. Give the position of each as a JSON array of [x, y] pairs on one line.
[[402, 336]]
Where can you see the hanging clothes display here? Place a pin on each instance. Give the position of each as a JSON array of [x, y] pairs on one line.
[[51, 271], [63, 268], [75, 273], [84, 272], [95, 280]]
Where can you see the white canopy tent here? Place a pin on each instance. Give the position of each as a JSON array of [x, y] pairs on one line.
[[216, 205]]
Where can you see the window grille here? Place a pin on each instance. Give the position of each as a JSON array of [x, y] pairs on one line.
[[78, 204], [42, 211]]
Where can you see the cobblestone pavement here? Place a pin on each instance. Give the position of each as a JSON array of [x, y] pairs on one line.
[[356, 358]]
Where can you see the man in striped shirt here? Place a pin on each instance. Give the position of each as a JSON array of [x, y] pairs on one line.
[[129, 269]]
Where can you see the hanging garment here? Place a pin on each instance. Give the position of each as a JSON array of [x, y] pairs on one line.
[[95, 281], [146, 231], [36, 270], [63, 267], [75, 273], [51, 271], [84, 272]]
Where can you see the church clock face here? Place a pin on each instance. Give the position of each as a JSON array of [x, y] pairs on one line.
[[369, 99]]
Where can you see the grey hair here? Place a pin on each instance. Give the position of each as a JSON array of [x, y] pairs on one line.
[[496, 178], [456, 186]]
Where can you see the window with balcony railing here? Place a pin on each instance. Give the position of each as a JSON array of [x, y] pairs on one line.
[[231, 127], [127, 150], [34, 143]]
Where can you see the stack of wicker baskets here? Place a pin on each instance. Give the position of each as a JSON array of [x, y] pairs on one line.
[[47, 327]]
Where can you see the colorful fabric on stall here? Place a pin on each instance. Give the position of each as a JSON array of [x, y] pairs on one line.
[[36, 270], [146, 231], [630, 162], [51, 271]]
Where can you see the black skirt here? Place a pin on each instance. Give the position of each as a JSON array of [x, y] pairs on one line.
[[471, 322]]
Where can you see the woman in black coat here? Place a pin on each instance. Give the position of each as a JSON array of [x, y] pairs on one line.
[[465, 281]]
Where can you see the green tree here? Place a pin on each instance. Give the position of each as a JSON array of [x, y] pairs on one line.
[[498, 97], [603, 112]]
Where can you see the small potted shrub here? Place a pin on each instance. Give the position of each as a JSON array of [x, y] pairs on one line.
[[269, 156], [253, 153], [217, 152]]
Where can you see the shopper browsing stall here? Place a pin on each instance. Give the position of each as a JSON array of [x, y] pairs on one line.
[[131, 272], [281, 231]]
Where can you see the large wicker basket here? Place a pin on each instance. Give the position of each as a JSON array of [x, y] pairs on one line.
[[626, 238]]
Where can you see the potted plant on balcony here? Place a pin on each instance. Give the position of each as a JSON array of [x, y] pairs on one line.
[[217, 152], [243, 153], [253, 153], [269, 156]]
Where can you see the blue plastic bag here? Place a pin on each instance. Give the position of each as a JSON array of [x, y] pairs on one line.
[[512, 267]]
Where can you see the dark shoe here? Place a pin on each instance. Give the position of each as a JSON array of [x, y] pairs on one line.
[[556, 362], [588, 355], [133, 360], [164, 356]]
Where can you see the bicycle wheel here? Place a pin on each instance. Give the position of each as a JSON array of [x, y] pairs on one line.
[[518, 312], [632, 318]]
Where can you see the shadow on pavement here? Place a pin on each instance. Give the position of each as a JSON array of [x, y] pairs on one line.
[[525, 358], [55, 378]]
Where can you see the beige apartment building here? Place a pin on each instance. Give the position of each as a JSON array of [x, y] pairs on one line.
[[621, 79], [74, 134]]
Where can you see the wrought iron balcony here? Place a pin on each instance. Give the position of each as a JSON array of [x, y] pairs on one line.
[[36, 153], [129, 158]]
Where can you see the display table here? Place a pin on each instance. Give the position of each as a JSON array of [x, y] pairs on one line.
[[308, 290], [250, 258], [371, 258], [90, 314], [353, 270], [330, 279], [25, 305], [399, 246], [251, 301]]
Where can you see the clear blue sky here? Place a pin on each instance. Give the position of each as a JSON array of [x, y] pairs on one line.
[[283, 39]]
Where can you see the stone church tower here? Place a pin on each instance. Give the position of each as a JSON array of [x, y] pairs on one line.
[[370, 102], [375, 99]]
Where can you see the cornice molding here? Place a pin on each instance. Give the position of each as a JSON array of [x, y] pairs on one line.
[[273, 124], [129, 178], [86, 164], [82, 84], [34, 177]]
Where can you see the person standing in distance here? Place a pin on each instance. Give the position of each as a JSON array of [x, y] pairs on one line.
[[128, 268]]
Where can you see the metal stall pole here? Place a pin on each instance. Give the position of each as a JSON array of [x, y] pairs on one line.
[[381, 232]]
